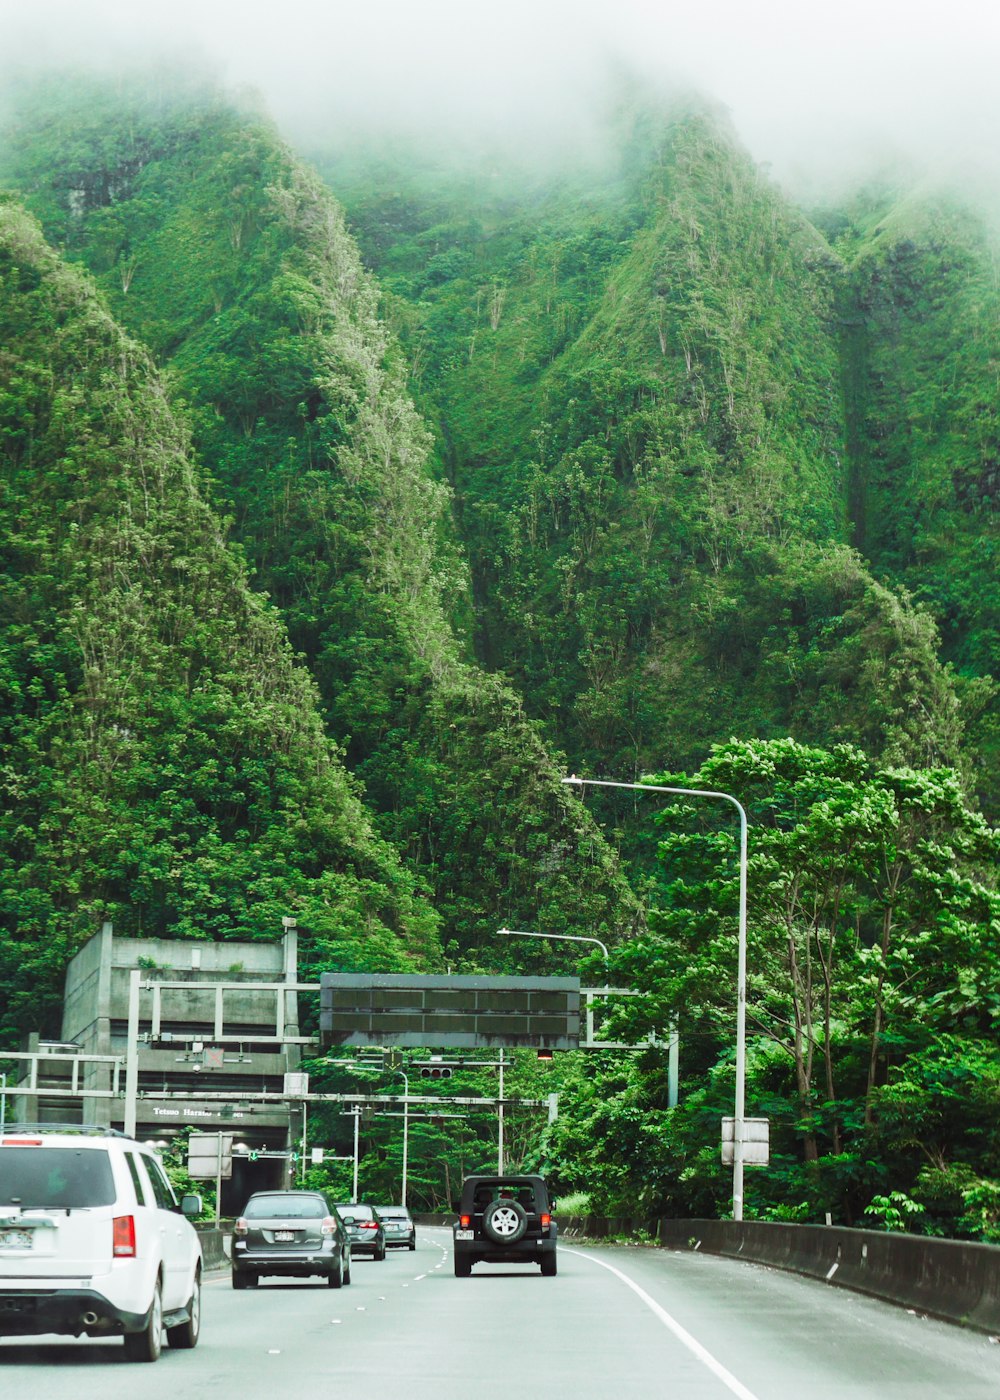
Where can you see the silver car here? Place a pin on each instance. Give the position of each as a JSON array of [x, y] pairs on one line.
[[400, 1231], [364, 1228]]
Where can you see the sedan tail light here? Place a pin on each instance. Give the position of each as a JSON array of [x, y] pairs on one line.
[[123, 1237], [369, 1224], [241, 1227]]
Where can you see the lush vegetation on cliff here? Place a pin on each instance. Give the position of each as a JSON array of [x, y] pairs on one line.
[[163, 757], [637, 383], [231, 261]]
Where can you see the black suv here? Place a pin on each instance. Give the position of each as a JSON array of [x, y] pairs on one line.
[[505, 1220]]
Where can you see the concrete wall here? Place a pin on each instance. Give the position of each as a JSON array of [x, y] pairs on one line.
[[214, 1247], [951, 1279], [95, 1016]]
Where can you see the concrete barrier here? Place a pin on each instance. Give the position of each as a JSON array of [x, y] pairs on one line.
[[951, 1279], [214, 1246]]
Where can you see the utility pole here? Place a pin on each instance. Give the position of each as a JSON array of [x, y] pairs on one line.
[[132, 1053], [500, 1120]]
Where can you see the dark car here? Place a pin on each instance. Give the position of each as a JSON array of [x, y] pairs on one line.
[[505, 1220], [290, 1232], [364, 1228], [400, 1231]]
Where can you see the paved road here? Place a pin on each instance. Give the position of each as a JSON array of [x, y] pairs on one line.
[[645, 1323]]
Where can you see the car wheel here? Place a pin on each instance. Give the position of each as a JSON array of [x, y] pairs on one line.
[[504, 1221], [240, 1280], [185, 1335], [347, 1270], [548, 1263], [380, 1253], [463, 1266], [413, 1241], [147, 1344], [335, 1278]]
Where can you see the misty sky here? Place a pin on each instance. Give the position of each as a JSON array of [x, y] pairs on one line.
[[811, 87]]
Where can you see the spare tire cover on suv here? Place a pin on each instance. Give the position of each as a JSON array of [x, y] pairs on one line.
[[504, 1220]]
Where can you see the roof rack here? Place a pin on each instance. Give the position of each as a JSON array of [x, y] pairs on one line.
[[69, 1129]]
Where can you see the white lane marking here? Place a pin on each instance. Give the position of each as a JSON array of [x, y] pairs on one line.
[[681, 1333], [419, 1277], [273, 1352]]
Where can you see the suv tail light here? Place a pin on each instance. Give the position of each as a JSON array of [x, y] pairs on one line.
[[465, 1221], [21, 1142], [241, 1227], [123, 1237], [328, 1226], [545, 1221]]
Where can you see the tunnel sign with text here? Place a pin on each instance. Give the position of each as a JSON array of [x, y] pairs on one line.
[[453, 1012]]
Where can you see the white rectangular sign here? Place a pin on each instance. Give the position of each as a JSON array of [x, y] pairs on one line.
[[756, 1141], [207, 1152]]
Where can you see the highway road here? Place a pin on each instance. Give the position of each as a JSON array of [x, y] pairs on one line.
[[648, 1323]]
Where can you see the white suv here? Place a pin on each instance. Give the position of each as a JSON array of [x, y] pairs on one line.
[[92, 1241]]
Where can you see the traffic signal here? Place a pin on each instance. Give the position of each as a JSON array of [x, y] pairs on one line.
[[435, 1072]]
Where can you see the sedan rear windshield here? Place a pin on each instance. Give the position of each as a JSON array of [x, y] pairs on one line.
[[57, 1177], [388, 1213], [359, 1212], [287, 1207]]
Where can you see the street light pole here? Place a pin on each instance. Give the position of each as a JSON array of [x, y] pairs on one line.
[[741, 963], [357, 1118], [406, 1126]]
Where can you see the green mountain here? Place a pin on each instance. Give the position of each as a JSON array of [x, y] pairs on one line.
[[922, 350], [312, 571], [163, 757], [230, 260], [639, 382]]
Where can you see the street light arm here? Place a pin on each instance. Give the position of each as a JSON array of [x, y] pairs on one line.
[[569, 937]]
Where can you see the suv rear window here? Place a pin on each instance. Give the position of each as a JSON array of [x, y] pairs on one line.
[[287, 1207], [60, 1177]]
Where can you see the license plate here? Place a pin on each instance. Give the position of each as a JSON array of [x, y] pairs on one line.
[[284, 1234], [15, 1239], [464, 1235]]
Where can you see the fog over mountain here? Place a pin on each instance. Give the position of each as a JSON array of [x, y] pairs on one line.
[[818, 92]]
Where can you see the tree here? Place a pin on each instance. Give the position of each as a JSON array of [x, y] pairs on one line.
[[872, 928]]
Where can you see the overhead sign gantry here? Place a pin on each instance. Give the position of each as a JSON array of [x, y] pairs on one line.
[[455, 1012]]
